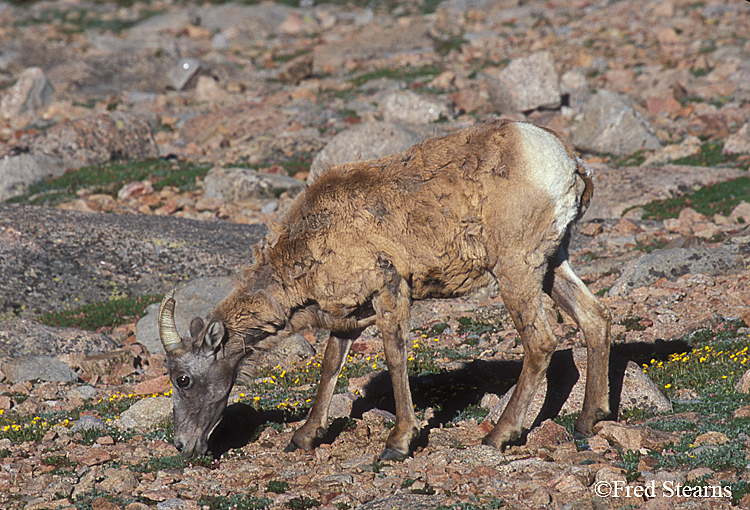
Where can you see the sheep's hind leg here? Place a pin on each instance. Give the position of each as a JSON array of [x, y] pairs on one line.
[[522, 298], [392, 309], [594, 319], [309, 435]]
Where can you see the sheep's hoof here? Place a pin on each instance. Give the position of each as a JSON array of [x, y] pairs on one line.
[[291, 447], [391, 454], [578, 435], [501, 441], [500, 445], [584, 425]]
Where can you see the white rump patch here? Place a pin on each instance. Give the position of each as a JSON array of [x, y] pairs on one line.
[[549, 166]]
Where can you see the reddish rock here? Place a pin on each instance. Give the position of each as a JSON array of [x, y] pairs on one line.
[[741, 213], [469, 100], [591, 229], [712, 437], [296, 69], [658, 105], [135, 189], [157, 385], [105, 363], [625, 226], [632, 437], [101, 503], [94, 456], [548, 434], [689, 217], [160, 494]]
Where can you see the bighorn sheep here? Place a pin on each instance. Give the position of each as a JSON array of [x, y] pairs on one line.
[[440, 220]]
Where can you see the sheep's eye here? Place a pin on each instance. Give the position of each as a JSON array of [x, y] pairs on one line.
[[183, 381]]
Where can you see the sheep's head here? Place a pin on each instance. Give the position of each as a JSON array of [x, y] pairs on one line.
[[202, 376]]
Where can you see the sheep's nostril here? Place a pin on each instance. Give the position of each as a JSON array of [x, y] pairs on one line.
[[178, 444]]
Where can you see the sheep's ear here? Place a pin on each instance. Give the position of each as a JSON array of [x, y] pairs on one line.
[[196, 326], [215, 335]]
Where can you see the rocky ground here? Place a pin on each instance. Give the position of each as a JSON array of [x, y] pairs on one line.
[[194, 126]]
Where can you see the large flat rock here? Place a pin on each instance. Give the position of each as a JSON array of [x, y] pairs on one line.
[[54, 260]]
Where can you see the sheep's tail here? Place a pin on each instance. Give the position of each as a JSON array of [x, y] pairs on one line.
[[587, 176]]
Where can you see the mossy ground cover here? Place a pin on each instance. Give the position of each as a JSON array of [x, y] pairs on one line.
[[411, 75], [101, 316], [238, 502], [109, 179], [717, 198]]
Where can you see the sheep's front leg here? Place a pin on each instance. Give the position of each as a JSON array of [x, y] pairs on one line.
[[594, 319], [392, 317], [316, 426], [522, 298]]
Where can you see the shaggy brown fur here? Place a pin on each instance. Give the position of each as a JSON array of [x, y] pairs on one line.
[[444, 218]]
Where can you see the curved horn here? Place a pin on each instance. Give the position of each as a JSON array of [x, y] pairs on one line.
[[170, 338]]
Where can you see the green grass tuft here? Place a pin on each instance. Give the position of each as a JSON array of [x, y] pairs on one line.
[[177, 462], [101, 315], [277, 486], [109, 179], [302, 503], [712, 199], [407, 74], [235, 502]]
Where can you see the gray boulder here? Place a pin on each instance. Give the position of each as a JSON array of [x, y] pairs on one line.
[[56, 260], [611, 125], [17, 173], [45, 368], [738, 142], [96, 139], [295, 345], [184, 73], [88, 422], [527, 83], [341, 405], [83, 392], [369, 140], [574, 84], [31, 92], [146, 414], [197, 298], [27, 338], [671, 264], [118, 67], [236, 184], [412, 108]]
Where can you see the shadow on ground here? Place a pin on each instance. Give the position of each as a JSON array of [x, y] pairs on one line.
[[450, 394]]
